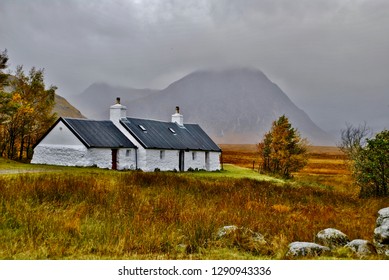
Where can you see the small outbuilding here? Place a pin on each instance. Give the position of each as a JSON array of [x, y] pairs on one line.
[[128, 143]]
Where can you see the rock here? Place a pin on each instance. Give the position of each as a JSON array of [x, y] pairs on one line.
[[226, 230], [242, 232], [382, 215], [381, 233], [332, 238], [382, 249], [242, 238], [362, 247], [306, 249]]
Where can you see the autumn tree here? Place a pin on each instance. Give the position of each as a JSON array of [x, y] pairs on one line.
[[25, 113], [282, 149], [3, 66], [6, 108]]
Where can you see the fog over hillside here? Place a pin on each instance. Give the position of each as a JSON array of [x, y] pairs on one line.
[[331, 57], [236, 105]]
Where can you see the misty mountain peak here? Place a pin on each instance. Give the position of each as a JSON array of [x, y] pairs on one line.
[[233, 105]]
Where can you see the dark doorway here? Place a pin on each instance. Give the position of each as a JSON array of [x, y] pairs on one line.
[[114, 159], [181, 161]]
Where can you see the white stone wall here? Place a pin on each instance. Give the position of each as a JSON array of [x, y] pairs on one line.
[[153, 160], [126, 162], [214, 161], [66, 155], [99, 157], [170, 160], [71, 155], [142, 164], [198, 161]]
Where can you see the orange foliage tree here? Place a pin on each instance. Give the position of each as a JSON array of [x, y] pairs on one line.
[[27, 113], [282, 149]]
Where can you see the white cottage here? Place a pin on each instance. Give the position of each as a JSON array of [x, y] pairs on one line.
[[128, 143]]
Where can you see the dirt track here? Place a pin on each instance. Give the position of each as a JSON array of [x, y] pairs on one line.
[[22, 171]]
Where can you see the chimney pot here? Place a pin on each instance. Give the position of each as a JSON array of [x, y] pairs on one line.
[[177, 117], [117, 111]]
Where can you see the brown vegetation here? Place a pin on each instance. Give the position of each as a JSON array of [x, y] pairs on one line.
[[117, 215], [326, 165]]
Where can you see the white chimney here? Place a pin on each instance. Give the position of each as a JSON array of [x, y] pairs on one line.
[[117, 111], [177, 117]]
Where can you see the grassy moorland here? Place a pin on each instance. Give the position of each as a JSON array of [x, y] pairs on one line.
[[87, 213]]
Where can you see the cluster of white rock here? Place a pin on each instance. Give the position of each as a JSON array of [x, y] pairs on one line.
[[381, 232], [330, 238], [325, 241]]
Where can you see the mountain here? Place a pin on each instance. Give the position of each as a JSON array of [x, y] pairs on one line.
[[94, 101], [64, 109], [233, 106]]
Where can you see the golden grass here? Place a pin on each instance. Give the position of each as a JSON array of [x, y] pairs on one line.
[[326, 166], [97, 214], [87, 213]]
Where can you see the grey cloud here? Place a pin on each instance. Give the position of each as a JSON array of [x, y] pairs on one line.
[[325, 54]]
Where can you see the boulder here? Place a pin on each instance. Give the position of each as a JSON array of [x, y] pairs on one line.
[[332, 238], [242, 238], [362, 247], [382, 215], [381, 233], [306, 249]]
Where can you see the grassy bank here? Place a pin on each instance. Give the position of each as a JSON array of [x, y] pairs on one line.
[[98, 214]]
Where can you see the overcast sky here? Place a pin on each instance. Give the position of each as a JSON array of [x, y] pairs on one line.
[[331, 57]]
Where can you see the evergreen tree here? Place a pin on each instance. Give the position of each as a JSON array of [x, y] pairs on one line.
[[371, 166]]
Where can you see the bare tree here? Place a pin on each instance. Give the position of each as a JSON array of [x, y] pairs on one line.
[[353, 139]]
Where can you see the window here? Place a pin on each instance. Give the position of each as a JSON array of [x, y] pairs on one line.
[[194, 155], [172, 130], [161, 154], [142, 127], [128, 152]]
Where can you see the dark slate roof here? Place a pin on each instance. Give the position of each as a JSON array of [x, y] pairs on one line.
[[98, 134], [153, 134]]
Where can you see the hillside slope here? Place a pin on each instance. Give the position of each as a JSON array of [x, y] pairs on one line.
[[64, 109]]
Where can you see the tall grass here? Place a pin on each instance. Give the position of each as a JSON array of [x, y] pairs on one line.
[[114, 215]]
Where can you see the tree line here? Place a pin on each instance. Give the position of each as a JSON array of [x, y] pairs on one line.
[[26, 109], [368, 159]]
